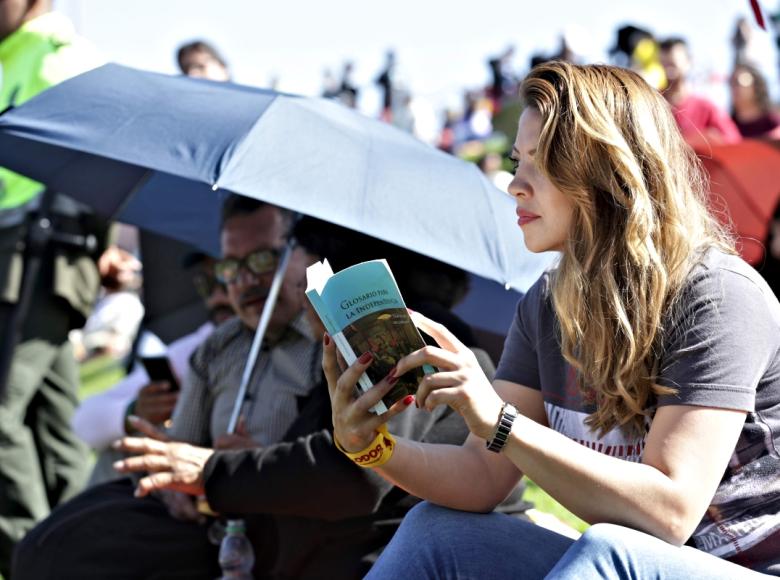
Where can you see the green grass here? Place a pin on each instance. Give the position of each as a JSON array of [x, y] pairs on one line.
[[98, 374], [545, 503]]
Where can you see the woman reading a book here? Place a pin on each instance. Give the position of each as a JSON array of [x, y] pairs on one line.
[[639, 383]]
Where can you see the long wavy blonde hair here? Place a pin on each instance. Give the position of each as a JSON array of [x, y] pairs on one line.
[[610, 143]]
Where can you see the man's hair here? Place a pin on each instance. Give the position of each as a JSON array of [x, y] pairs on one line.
[[198, 46], [669, 43], [610, 144], [236, 205]]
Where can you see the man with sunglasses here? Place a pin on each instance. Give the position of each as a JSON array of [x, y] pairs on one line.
[[102, 418], [106, 530], [253, 235]]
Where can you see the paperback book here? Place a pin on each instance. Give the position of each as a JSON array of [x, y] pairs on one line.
[[362, 309]]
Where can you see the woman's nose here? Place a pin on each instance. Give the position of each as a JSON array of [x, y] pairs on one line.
[[518, 187]]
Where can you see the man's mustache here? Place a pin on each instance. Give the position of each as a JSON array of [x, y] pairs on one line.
[[253, 294]]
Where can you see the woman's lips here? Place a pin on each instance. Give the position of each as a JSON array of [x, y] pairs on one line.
[[525, 217]]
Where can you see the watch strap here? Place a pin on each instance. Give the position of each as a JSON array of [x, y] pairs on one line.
[[505, 421]]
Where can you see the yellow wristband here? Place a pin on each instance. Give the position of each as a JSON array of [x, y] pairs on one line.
[[379, 451]]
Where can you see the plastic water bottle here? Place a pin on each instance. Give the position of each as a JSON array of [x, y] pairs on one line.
[[236, 556]]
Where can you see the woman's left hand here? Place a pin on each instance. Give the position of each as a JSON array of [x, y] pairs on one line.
[[460, 383]]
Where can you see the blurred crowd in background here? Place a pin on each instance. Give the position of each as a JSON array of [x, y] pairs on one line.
[[488, 114]]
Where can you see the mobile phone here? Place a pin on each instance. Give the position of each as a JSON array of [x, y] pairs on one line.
[[159, 369]]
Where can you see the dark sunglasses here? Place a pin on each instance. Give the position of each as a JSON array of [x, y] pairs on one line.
[[258, 262], [205, 283]]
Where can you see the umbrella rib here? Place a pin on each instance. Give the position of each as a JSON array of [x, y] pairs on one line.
[[228, 156], [131, 194]]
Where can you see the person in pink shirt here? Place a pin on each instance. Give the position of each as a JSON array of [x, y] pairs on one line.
[[701, 121]]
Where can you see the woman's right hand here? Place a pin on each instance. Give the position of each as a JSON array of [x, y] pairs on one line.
[[354, 425]]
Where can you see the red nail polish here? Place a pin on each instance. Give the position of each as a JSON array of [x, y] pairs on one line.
[[408, 399], [391, 374], [365, 358], [393, 380], [326, 339]]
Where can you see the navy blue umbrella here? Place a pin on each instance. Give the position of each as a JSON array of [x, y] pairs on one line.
[[160, 152]]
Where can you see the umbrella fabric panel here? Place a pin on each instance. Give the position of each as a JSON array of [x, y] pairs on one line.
[[117, 113], [744, 182], [177, 208], [488, 305], [172, 306], [732, 208], [324, 160], [96, 181], [755, 165]]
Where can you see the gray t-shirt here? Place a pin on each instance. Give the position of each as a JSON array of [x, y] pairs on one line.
[[721, 349]]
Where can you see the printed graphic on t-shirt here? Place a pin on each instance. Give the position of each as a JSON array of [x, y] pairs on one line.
[[745, 510], [615, 443]]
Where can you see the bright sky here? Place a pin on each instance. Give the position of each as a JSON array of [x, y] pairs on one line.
[[441, 45]]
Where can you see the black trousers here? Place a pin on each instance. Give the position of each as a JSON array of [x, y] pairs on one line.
[[105, 532]]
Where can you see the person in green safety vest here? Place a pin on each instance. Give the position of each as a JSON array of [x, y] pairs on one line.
[[42, 463], [38, 49]]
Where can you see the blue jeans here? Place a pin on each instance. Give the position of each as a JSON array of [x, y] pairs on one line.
[[436, 542]]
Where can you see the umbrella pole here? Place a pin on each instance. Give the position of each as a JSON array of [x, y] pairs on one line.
[[257, 342]]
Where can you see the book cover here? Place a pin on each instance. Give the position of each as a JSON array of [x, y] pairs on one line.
[[362, 309]]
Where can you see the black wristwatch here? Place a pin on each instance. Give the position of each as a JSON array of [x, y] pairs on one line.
[[504, 427]]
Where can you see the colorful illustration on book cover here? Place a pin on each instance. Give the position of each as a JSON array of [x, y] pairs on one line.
[[389, 335]]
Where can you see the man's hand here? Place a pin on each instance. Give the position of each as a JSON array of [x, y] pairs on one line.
[[119, 265], [155, 402], [134, 423], [238, 440], [181, 506], [170, 465]]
